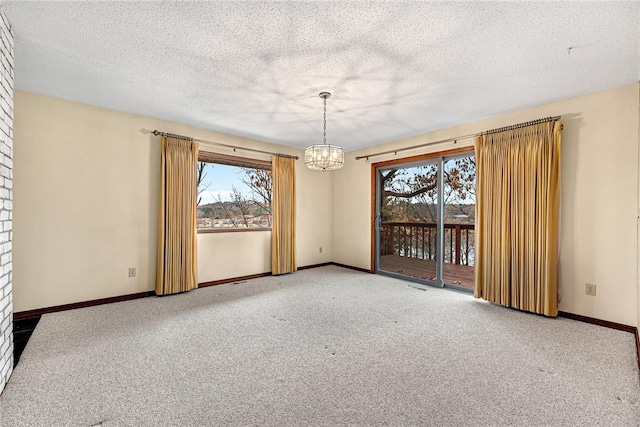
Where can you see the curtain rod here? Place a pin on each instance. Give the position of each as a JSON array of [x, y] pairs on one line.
[[220, 144], [522, 125], [455, 140]]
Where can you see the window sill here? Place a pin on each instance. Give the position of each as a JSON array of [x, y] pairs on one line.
[[231, 230]]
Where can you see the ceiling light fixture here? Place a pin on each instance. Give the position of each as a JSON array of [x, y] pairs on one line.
[[324, 156]]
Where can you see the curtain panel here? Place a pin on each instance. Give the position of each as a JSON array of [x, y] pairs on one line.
[[518, 203], [177, 259], [283, 211]]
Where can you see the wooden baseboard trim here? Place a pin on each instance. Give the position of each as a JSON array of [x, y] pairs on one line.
[[29, 314], [306, 267], [232, 280], [364, 270], [21, 315], [638, 345], [605, 323]]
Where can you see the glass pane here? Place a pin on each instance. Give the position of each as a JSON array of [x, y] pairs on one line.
[[409, 211], [232, 196], [459, 197]]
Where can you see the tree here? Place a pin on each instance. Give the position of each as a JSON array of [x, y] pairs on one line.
[[200, 186], [411, 194], [461, 185], [206, 212], [238, 210], [261, 184], [243, 204]]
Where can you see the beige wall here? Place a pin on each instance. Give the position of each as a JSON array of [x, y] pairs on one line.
[[599, 242], [86, 187]]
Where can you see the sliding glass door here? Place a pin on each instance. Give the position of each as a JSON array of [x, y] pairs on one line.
[[459, 217], [407, 218], [424, 220]]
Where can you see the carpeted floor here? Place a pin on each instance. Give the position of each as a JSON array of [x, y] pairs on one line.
[[325, 346]]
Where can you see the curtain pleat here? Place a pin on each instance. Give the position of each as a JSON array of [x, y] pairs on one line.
[[283, 231], [518, 205], [177, 259]]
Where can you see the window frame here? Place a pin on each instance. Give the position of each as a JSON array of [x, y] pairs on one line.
[[237, 161]]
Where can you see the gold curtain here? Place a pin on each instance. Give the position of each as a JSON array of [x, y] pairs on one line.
[[177, 260], [517, 205], [283, 210]]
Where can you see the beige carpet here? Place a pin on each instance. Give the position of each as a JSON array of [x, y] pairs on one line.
[[326, 346]]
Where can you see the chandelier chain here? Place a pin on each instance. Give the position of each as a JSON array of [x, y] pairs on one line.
[[324, 129]]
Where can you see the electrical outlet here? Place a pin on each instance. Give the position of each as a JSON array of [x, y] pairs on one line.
[[320, 249], [590, 289], [132, 272]]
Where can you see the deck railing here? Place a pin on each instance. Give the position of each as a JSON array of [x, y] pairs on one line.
[[418, 240]]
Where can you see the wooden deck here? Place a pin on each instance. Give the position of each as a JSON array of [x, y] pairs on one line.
[[454, 274]]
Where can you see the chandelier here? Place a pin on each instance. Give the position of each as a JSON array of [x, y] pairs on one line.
[[324, 156]]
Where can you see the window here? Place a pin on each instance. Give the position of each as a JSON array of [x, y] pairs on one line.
[[234, 193]]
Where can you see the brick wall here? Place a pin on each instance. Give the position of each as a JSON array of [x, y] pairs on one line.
[[6, 199]]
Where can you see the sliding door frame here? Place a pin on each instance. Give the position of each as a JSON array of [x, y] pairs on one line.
[[445, 154]]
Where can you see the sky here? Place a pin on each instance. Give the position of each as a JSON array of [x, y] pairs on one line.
[[218, 181]]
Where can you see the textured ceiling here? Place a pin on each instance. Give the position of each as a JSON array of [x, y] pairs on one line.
[[255, 69]]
